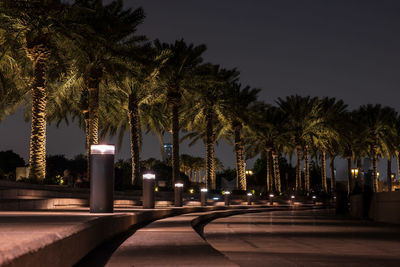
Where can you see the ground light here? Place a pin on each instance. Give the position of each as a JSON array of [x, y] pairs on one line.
[[178, 194], [203, 196], [149, 181], [227, 197], [102, 178], [271, 199], [249, 197]]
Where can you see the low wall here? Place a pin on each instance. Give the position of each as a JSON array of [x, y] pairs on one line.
[[381, 207]]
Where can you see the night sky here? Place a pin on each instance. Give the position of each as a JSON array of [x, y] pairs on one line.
[[343, 49]]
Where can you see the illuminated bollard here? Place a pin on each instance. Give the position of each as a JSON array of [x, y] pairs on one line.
[[102, 178], [271, 199], [292, 199], [227, 197], [149, 180], [178, 194], [203, 196], [249, 195], [314, 198]]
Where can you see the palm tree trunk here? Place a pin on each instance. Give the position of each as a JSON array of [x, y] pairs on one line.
[[241, 173], [87, 142], [277, 173], [349, 176], [37, 155], [39, 53], [323, 171], [134, 127], [375, 168], [298, 169], [175, 143], [389, 174], [210, 164], [307, 170], [267, 153], [398, 164], [333, 178]]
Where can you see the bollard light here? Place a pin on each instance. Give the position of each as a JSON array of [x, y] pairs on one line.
[[102, 178], [203, 196], [271, 199], [178, 194], [149, 183], [249, 195], [227, 198]]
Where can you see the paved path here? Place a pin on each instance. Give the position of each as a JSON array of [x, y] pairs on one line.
[[168, 242], [304, 238]]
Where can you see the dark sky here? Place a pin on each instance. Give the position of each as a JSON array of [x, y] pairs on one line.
[[344, 49]]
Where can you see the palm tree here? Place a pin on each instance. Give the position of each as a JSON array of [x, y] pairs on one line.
[[379, 132], [180, 66], [303, 124], [266, 134], [332, 112], [203, 112], [137, 89], [41, 32], [238, 105]]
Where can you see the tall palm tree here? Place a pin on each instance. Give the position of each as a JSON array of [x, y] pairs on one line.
[[203, 113], [379, 133], [332, 112], [303, 124], [180, 66], [138, 88], [238, 106], [267, 134], [41, 32]]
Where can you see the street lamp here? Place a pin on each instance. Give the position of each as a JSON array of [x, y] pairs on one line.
[[178, 194], [148, 190], [102, 178], [354, 172]]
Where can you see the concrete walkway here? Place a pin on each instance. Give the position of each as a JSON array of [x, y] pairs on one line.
[[304, 238], [169, 242]]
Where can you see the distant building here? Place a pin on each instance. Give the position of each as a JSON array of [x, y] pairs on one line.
[[168, 152]]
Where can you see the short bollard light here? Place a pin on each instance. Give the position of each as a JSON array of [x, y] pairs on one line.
[[102, 178], [314, 198], [203, 196], [271, 199], [149, 183], [249, 196], [292, 197], [227, 198], [178, 194]]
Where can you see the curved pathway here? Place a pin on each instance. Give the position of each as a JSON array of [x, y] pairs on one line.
[[304, 238], [169, 242]]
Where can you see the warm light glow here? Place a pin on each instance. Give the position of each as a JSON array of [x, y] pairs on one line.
[[149, 176], [204, 190], [102, 149], [227, 193], [156, 189], [393, 176], [249, 194], [292, 197], [191, 190], [178, 185], [249, 172], [354, 171], [377, 174], [271, 195]]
